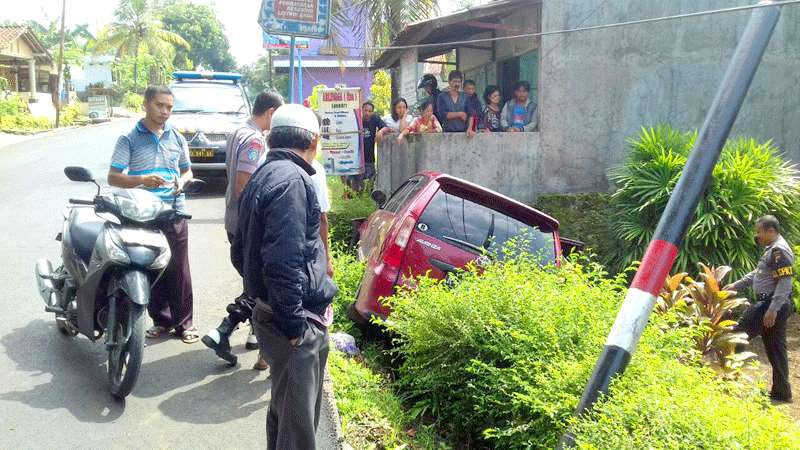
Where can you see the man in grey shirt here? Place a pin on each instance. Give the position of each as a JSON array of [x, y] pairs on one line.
[[243, 154], [772, 284]]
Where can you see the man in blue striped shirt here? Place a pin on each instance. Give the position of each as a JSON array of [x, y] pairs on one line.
[[154, 156]]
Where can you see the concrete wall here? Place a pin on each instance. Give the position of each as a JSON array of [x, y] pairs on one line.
[[505, 162], [599, 87]]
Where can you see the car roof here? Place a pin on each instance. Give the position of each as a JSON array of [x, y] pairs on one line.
[[498, 201]]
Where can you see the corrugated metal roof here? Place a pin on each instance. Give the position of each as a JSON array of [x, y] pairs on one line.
[[419, 32]]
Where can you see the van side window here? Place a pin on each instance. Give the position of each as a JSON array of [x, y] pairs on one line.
[[404, 194], [465, 224]]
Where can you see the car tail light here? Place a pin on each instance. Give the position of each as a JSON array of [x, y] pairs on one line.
[[393, 255], [405, 232]]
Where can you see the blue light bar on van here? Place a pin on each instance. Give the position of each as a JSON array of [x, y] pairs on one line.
[[189, 75]]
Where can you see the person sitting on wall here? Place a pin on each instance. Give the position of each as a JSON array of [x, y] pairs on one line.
[[473, 107], [491, 117], [520, 113], [426, 123], [399, 119], [451, 106]]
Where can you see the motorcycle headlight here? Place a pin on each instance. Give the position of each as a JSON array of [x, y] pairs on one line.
[[162, 260], [113, 249], [138, 211]]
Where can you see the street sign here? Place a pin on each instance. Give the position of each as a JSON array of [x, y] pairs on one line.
[[308, 18], [272, 42], [340, 110]]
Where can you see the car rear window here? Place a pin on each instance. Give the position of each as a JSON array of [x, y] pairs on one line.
[[404, 194], [473, 227], [209, 98]]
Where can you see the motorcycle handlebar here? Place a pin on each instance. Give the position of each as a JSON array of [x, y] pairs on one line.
[[77, 201]]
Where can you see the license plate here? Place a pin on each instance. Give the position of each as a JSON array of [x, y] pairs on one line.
[[201, 152]]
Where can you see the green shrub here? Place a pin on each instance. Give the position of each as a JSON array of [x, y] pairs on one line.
[[750, 180], [347, 276], [14, 117], [3, 84], [344, 210], [133, 101], [662, 404], [70, 114], [585, 217], [503, 357], [372, 414]]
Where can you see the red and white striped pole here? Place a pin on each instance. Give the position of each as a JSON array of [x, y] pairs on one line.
[[661, 253]]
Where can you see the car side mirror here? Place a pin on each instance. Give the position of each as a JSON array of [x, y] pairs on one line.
[[194, 186], [379, 197], [80, 174]]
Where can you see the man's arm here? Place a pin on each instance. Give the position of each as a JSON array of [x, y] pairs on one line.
[[323, 234], [781, 264], [282, 251], [534, 120], [743, 283]]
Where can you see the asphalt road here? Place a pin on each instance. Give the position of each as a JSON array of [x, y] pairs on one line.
[[53, 389]]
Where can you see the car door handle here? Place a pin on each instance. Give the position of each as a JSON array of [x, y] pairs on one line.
[[443, 266]]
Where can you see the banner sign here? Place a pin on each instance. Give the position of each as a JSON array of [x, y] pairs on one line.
[[272, 42], [309, 18], [342, 142]]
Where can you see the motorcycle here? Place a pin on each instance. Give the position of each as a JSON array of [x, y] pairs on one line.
[[112, 253]]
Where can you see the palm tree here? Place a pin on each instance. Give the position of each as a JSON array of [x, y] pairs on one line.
[[377, 22], [137, 30]]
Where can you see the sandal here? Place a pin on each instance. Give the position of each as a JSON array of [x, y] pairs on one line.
[[190, 335], [157, 331]]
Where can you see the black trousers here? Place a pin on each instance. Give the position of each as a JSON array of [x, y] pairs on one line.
[[774, 338], [172, 300]]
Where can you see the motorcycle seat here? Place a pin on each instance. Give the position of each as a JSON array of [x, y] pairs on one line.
[[84, 231]]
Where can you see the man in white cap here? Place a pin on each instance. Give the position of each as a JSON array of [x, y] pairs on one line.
[[279, 252]]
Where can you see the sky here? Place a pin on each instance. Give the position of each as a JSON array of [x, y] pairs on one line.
[[239, 17]]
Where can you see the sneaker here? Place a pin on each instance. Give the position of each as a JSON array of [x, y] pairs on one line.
[[221, 347], [252, 342]]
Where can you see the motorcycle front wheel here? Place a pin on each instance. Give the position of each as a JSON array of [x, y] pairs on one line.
[[125, 359]]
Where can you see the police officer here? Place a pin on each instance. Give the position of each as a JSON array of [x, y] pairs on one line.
[[772, 284]]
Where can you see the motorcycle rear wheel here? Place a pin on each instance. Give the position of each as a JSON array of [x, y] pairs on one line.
[[125, 359]]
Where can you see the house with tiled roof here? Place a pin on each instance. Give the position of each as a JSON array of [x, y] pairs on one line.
[[26, 64]]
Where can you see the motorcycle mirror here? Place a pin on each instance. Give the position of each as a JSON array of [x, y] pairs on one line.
[[80, 174], [194, 186], [379, 197]]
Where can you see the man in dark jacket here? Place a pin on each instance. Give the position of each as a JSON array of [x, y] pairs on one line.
[[280, 255]]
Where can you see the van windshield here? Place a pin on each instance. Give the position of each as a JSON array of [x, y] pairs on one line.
[[477, 228], [210, 98]]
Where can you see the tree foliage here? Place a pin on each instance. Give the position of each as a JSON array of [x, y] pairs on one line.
[[257, 78], [381, 91], [139, 31], [199, 26], [750, 180]]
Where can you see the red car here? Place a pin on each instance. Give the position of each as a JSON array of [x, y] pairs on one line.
[[435, 223]]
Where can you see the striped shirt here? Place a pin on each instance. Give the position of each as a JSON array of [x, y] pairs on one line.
[[141, 152]]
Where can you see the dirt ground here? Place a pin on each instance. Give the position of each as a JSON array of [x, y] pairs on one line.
[[793, 345]]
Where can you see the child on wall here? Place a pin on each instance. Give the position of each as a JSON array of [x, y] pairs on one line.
[[426, 123]]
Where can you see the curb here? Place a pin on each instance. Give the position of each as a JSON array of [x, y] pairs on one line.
[[329, 402], [23, 137]]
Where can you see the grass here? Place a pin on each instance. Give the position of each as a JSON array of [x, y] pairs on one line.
[[372, 414]]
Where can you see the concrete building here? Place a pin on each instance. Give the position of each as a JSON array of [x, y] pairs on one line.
[[594, 88]]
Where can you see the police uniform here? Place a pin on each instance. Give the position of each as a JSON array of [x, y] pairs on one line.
[[772, 284]]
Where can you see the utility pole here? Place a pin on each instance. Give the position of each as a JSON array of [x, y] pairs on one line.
[[60, 64], [663, 248]]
